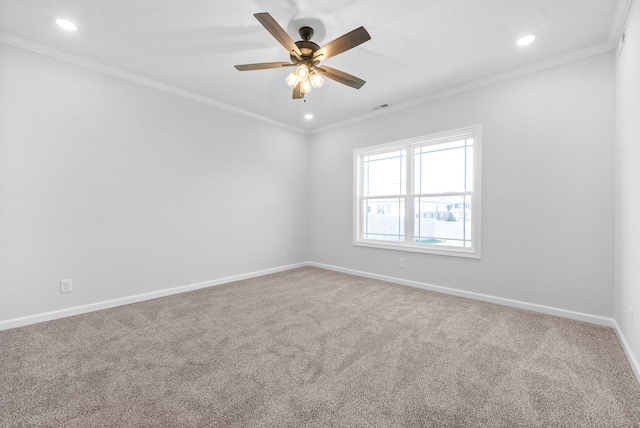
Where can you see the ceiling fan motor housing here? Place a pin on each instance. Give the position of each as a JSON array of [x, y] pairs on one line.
[[307, 48]]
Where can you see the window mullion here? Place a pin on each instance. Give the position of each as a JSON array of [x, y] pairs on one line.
[[408, 200], [358, 223]]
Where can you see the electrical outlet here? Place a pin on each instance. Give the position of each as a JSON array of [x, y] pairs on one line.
[[630, 317], [66, 285], [403, 264], [284, 253]]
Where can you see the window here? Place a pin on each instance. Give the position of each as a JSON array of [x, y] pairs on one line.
[[421, 194]]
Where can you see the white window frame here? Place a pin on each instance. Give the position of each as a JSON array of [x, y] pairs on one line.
[[409, 145]]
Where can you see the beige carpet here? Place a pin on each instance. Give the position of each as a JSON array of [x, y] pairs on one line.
[[315, 348]]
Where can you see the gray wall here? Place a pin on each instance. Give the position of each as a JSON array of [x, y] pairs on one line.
[[627, 182], [129, 190], [547, 208]]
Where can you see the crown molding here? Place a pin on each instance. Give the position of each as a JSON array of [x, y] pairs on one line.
[[21, 43], [619, 20], [617, 25], [496, 78]]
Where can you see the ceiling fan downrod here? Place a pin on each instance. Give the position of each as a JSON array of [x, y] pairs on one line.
[[306, 33]]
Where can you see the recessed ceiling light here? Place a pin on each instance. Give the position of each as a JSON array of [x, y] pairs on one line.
[[308, 116], [67, 25], [526, 40]]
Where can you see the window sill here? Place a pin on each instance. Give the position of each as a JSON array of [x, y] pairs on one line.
[[470, 253]]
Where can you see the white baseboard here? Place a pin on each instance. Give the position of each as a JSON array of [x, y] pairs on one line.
[[77, 310], [47, 316], [580, 316], [633, 361], [564, 313]]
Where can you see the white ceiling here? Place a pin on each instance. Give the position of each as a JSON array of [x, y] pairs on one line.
[[418, 49]]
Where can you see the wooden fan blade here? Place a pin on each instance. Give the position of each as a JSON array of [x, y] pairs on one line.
[[341, 76], [297, 92], [278, 33], [342, 43], [263, 66]]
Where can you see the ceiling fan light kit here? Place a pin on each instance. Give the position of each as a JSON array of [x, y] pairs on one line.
[[306, 78], [306, 56], [302, 72], [292, 80], [316, 80]]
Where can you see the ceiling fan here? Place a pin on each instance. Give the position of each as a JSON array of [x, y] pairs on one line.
[[306, 56]]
